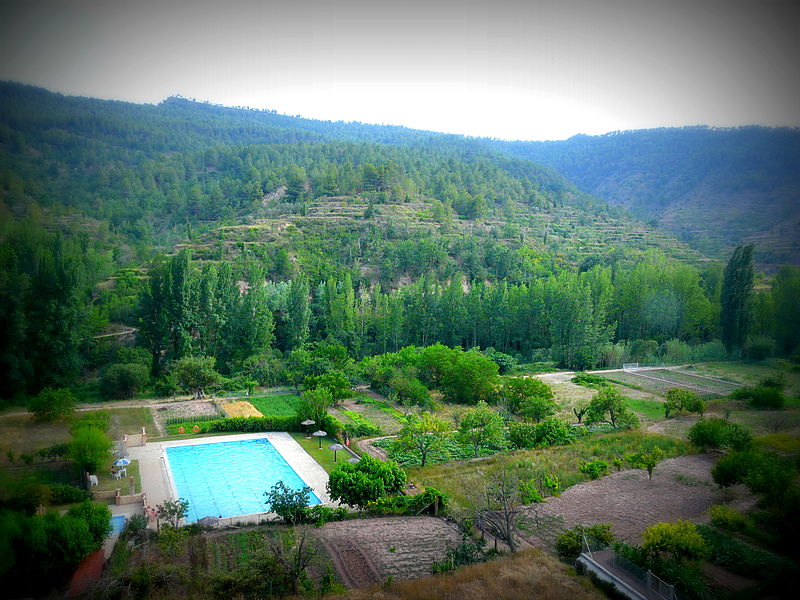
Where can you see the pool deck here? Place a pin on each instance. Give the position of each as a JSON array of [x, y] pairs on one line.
[[157, 481]]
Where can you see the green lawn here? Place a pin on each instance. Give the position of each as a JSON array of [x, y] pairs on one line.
[[323, 456], [647, 408], [279, 405]]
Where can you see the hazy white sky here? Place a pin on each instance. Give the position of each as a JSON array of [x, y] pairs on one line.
[[499, 68]]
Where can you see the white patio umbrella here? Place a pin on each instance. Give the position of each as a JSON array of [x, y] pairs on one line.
[[335, 447], [121, 462], [319, 435], [308, 423]]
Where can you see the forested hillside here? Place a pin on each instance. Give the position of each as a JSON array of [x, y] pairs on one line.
[[282, 232], [714, 188]]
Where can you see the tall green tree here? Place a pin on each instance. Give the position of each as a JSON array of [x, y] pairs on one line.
[[298, 313], [737, 286]]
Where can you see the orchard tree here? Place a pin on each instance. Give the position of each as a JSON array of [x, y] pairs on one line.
[[679, 399], [647, 459], [470, 379], [196, 373], [537, 408], [423, 433], [515, 390], [288, 503], [481, 426], [365, 481], [609, 406]]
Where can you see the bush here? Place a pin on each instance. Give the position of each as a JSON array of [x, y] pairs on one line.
[[67, 494], [553, 432], [522, 435], [409, 390], [734, 468], [124, 380], [726, 517], [744, 559], [761, 396], [760, 348], [719, 433], [594, 469], [468, 551], [679, 539], [319, 514], [365, 481], [569, 544], [52, 404], [589, 380], [529, 492], [289, 504]]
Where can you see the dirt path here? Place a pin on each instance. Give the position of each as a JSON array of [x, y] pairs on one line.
[[369, 551], [375, 452], [681, 488]]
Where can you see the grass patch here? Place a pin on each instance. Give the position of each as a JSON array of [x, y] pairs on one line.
[[462, 480], [106, 482], [277, 405], [647, 408], [130, 421], [782, 442], [323, 456]]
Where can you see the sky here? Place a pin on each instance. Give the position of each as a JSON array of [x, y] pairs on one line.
[[507, 69]]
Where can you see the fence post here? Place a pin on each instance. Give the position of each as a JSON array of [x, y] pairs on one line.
[[649, 584]]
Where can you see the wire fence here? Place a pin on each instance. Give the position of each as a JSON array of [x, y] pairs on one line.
[[657, 588]]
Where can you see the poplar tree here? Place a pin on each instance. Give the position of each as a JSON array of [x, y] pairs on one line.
[[737, 285]]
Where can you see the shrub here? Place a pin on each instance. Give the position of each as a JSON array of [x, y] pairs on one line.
[[124, 380], [553, 432], [594, 469], [529, 492], [726, 517], [760, 348], [679, 539], [761, 396], [50, 404], [679, 399], [67, 494], [522, 435], [569, 544], [365, 481], [590, 380], [409, 390], [287, 503], [719, 433], [319, 514], [744, 559]]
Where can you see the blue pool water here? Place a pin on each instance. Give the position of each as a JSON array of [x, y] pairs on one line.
[[229, 479], [117, 523]]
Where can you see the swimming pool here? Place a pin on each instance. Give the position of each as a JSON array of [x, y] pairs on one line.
[[117, 523], [228, 479]]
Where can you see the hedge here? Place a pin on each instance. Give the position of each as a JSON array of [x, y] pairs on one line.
[[329, 424]]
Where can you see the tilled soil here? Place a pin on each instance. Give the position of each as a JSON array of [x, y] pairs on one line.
[[369, 551], [681, 488]]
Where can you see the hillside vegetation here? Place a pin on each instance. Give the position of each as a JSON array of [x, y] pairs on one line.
[[714, 188]]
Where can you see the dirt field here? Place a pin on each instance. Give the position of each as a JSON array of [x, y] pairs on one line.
[[682, 488], [369, 551]]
